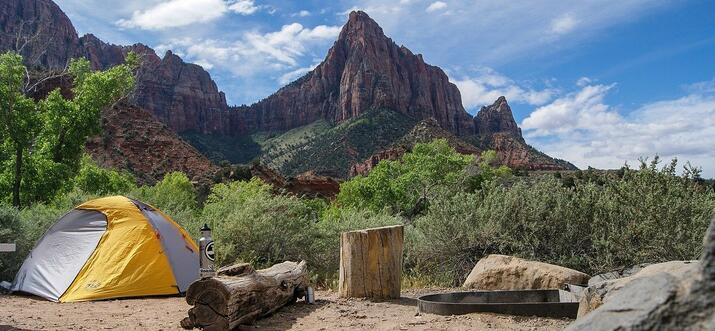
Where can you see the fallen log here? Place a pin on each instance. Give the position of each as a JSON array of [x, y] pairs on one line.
[[240, 295]]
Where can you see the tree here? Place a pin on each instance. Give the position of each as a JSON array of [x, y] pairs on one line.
[[43, 140], [404, 186]]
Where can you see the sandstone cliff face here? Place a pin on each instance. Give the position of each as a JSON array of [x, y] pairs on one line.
[[497, 118], [133, 140], [39, 30], [365, 70]]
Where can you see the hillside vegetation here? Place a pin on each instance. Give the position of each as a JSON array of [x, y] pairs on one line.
[[456, 209]]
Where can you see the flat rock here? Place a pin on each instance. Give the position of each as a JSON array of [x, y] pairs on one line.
[[502, 272]]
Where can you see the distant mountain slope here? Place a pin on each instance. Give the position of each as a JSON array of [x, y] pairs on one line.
[[134, 140], [332, 150], [366, 82]]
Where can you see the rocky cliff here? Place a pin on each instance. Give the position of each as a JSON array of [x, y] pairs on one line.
[[365, 70], [132, 139], [38, 30]]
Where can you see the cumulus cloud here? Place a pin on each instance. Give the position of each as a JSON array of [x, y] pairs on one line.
[[488, 85], [563, 24], [435, 6], [277, 51], [582, 128], [175, 13], [243, 7]]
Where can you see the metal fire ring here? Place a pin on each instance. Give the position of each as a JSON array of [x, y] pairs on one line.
[[543, 303]]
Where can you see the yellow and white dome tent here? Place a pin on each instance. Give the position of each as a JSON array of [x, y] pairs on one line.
[[110, 248]]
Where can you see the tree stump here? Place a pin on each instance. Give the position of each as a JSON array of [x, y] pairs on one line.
[[371, 263], [240, 295]]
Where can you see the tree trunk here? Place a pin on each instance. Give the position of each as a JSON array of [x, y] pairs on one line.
[[371, 263], [240, 295], [18, 177]]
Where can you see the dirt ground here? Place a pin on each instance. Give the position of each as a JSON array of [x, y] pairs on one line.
[[328, 313]]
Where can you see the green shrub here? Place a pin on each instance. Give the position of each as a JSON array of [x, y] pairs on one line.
[[649, 215]]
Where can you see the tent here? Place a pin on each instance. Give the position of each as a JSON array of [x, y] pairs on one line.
[[109, 248]]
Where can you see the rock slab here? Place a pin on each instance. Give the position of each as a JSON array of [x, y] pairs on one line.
[[502, 272]]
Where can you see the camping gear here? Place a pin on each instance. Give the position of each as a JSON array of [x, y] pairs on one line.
[[206, 257], [109, 248]]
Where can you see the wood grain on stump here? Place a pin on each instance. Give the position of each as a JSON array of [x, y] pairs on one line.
[[240, 295], [371, 263]]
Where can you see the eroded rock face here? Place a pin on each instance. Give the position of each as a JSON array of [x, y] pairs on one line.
[[497, 118], [502, 272], [133, 140], [365, 70], [39, 30], [306, 184]]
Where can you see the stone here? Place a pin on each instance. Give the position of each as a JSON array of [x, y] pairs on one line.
[[674, 298], [599, 292], [615, 274], [502, 272]]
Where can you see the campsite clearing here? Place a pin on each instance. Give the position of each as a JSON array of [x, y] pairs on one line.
[[329, 313]]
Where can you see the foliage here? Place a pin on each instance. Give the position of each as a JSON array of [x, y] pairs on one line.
[[404, 186], [649, 215], [100, 181], [332, 150], [43, 141], [486, 171]]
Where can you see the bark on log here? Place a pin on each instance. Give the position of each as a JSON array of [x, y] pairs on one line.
[[225, 302], [371, 263]]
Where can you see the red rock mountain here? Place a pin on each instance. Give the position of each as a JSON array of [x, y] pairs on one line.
[[132, 139], [363, 70]]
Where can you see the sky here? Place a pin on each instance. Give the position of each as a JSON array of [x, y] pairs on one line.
[[596, 82]]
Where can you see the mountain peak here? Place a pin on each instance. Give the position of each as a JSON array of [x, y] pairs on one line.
[[497, 118], [360, 27]]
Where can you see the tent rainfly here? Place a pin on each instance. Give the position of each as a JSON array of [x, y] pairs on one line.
[[110, 248]]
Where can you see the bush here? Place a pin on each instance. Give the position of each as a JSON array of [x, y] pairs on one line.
[[649, 215], [252, 225]]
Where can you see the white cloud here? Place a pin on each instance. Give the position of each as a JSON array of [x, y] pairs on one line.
[[175, 13], [563, 24], [278, 51], [496, 33], [243, 7], [435, 6], [582, 128], [295, 74], [302, 13], [488, 85]]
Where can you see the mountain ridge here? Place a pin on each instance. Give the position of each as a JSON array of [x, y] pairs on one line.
[[364, 70]]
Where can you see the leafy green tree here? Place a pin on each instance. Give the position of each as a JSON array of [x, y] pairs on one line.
[[94, 179], [175, 192], [404, 186], [43, 140], [485, 171]]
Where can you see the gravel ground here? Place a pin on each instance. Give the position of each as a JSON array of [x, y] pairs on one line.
[[329, 313]]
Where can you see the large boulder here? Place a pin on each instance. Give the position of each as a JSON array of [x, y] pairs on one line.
[[599, 292], [675, 298], [501, 272]]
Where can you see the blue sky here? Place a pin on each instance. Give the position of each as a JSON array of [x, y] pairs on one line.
[[598, 83]]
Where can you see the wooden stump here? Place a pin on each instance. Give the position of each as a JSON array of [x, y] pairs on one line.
[[371, 263], [240, 295]]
